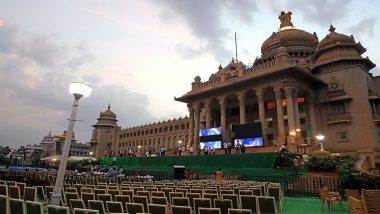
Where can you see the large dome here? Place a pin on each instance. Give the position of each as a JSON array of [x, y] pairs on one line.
[[335, 38], [291, 39], [288, 36]]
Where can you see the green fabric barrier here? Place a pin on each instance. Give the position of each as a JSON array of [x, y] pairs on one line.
[[239, 163]]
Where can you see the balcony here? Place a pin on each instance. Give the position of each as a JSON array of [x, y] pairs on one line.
[[339, 118]]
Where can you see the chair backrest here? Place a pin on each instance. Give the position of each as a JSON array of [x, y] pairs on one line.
[[191, 197], [201, 202], [70, 189], [324, 193], [123, 199], [4, 204], [239, 211], [180, 201], [200, 191], [157, 209], [85, 211], [77, 203], [142, 200], [181, 210], [203, 210], [371, 201], [86, 197], [96, 205], [3, 189], [223, 205], [144, 193], [57, 209], [99, 191], [249, 202], [135, 189], [48, 190], [266, 204], [175, 195], [127, 192], [22, 188], [157, 194], [212, 197], [40, 192], [14, 192], [30, 194], [69, 196], [16, 206], [355, 206], [233, 198], [114, 207], [87, 190], [245, 192], [229, 192], [33, 207], [134, 208], [256, 191], [211, 191], [274, 191], [159, 200], [113, 193]]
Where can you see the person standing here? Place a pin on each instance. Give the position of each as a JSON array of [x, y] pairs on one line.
[[219, 175], [225, 145], [199, 149], [205, 150], [114, 159], [229, 147], [191, 150], [242, 148]]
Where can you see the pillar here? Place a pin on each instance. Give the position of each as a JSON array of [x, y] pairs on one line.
[[222, 105], [208, 114], [260, 98], [311, 114], [290, 108], [241, 98], [280, 116], [191, 125], [197, 113], [296, 111]]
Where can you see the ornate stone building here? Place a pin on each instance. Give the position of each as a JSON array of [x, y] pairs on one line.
[[298, 85], [107, 136]]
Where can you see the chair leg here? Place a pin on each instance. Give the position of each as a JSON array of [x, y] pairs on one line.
[[322, 202]]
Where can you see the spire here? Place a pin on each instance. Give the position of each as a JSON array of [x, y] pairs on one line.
[[109, 106], [220, 67], [332, 28]]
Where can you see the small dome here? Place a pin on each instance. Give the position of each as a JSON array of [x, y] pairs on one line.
[[333, 38], [108, 113], [292, 38]]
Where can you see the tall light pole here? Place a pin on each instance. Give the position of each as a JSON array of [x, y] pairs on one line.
[[79, 90], [321, 137]]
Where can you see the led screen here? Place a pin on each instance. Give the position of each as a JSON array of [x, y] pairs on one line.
[[249, 142], [211, 137]]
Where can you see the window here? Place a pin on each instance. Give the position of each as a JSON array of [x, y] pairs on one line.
[[170, 128], [338, 108], [176, 127]]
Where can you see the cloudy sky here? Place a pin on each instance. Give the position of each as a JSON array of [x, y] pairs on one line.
[[138, 55]]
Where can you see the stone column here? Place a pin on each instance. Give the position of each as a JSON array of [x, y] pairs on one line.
[[222, 104], [191, 125], [260, 98], [208, 114], [311, 114], [280, 116], [197, 113], [290, 108], [241, 98], [296, 111]]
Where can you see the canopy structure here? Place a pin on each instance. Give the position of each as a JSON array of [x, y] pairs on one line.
[[57, 158]]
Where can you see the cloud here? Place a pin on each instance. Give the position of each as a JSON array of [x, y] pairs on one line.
[[205, 18], [35, 72], [363, 28], [319, 12]]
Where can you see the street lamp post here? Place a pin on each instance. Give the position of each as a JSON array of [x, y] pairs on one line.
[[78, 90], [320, 137]]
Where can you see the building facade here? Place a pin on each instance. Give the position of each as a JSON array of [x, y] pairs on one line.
[[109, 138], [53, 145], [299, 85]]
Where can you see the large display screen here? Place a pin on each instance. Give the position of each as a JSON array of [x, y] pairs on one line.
[[249, 142], [211, 138]]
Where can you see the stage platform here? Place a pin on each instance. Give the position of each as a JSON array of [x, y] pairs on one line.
[[251, 163]]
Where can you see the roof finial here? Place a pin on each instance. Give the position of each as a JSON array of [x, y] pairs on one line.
[[285, 19], [109, 106], [332, 28]]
